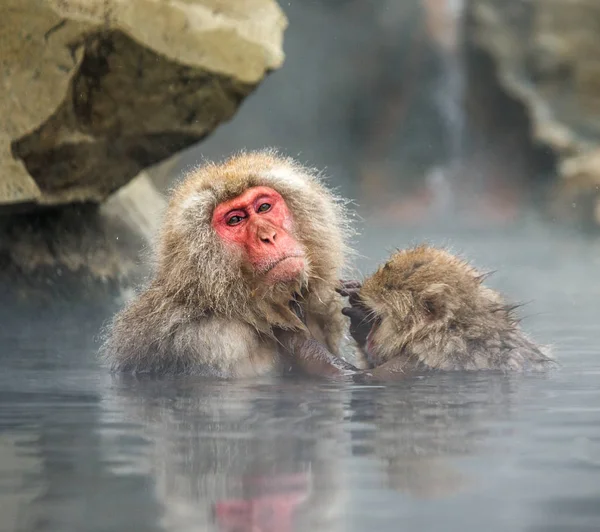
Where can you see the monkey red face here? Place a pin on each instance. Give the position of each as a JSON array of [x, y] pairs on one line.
[[259, 222]]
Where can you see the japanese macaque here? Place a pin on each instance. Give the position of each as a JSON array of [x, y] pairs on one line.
[[248, 260], [427, 309]]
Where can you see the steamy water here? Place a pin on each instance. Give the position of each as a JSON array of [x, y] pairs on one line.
[[83, 451]]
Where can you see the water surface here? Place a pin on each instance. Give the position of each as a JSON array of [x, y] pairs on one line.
[[81, 450]]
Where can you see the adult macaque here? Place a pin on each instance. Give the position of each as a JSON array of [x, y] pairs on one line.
[[426, 309], [241, 243]]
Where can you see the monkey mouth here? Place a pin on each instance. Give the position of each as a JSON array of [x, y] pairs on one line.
[[276, 263], [285, 269]]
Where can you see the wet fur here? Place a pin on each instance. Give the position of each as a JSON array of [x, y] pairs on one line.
[[204, 312], [436, 313]]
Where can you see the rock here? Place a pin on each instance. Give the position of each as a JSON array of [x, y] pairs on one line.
[[577, 195], [94, 91], [79, 247], [547, 54]]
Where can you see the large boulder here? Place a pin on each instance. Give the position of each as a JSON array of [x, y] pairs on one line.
[[94, 91], [547, 54]]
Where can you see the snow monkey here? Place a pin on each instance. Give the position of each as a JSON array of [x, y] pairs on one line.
[[248, 260], [427, 309]]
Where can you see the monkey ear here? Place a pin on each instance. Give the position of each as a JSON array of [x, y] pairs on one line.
[[435, 300]]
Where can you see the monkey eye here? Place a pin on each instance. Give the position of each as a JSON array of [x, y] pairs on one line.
[[264, 207], [234, 220]]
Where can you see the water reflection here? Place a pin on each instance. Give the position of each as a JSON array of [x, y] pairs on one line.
[[275, 456], [244, 456], [418, 428]]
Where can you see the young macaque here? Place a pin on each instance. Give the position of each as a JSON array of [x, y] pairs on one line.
[[248, 261], [426, 309]]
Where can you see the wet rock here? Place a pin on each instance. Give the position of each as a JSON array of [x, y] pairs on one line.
[[547, 56], [81, 248], [94, 91]]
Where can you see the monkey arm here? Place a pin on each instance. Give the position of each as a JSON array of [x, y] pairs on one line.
[[312, 357]]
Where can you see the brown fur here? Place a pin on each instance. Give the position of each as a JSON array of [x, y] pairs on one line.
[[435, 313], [204, 312]]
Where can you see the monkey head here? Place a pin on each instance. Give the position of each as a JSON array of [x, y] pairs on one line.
[[422, 294], [242, 236], [259, 226]]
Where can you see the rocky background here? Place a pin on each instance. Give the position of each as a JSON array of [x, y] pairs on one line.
[[94, 92], [547, 57], [422, 110], [436, 110]]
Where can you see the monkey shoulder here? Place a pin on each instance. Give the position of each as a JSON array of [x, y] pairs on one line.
[[169, 342]]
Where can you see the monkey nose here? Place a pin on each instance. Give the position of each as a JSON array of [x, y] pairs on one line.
[[267, 235]]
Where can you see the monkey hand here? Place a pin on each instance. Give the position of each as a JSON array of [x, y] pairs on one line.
[[361, 320], [349, 289]]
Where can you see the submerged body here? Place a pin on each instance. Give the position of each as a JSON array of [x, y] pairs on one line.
[[240, 241], [426, 309]]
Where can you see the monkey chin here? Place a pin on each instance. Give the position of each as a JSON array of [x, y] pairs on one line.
[[286, 270]]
